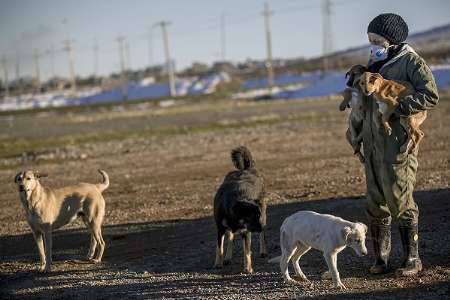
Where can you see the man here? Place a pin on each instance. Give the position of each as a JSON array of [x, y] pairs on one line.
[[390, 170]]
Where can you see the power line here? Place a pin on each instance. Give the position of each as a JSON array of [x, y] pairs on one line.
[[223, 24], [296, 9], [245, 19]]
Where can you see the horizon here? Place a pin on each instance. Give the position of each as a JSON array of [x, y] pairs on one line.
[[29, 25]]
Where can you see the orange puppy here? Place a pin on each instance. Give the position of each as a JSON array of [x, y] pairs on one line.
[[388, 93]]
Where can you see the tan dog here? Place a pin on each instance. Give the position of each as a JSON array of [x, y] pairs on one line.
[[48, 209], [388, 93], [353, 100]]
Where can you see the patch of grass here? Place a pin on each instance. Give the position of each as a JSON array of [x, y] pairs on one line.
[[13, 147]]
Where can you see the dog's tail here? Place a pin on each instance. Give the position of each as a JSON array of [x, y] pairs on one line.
[[275, 260], [105, 184], [242, 158], [284, 244]]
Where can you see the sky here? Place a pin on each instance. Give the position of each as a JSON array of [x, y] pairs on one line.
[[194, 31]]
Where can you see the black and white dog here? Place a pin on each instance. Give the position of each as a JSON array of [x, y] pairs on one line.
[[240, 208]]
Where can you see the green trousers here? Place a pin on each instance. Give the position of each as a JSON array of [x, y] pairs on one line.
[[390, 190]]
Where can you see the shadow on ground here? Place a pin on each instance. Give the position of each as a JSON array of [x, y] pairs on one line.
[[164, 249]]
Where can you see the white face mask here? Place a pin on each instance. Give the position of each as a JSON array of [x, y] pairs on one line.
[[378, 53]]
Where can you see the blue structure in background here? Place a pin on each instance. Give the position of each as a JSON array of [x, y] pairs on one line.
[[324, 84], [312, 85]]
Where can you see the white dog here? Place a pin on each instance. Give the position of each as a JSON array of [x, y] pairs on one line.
[[306, 229]]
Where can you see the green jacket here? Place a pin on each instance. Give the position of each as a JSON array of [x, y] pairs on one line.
[[407, 65]]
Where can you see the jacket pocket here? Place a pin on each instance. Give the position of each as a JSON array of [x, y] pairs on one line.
[[396, 144]]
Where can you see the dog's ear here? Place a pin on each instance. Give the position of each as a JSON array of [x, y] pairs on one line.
[[350, 76], [37, 174], [373, 78], [377, 75], [378, 79], [346, 232], [364, 226], [353, 74], [366, 76], [16, 178]]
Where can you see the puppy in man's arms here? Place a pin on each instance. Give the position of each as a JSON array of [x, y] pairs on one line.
[[388, 94], [353, 99], [307, 229], [240, 208]]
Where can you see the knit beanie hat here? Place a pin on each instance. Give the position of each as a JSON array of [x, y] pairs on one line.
[[390, 26]]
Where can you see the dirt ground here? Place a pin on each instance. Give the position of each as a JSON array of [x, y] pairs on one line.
[[165, 165]]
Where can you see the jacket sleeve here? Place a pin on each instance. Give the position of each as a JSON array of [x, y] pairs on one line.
[[426, 95]]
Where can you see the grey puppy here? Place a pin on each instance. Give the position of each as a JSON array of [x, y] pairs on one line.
[[48, 209], [353, 99]]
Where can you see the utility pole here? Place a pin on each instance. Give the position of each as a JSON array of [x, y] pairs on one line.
[[69, 49], [127, 55], [267, 13], [18, 83], [51, 54], [17, 69], [150, 46], [169, 65], [5, 73], [120, 41], [52, 60], [326, 33], [37, 69], [95, 57], [222, 37]]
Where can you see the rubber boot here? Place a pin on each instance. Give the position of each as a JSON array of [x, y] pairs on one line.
[[410, 241], [381, 241]]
